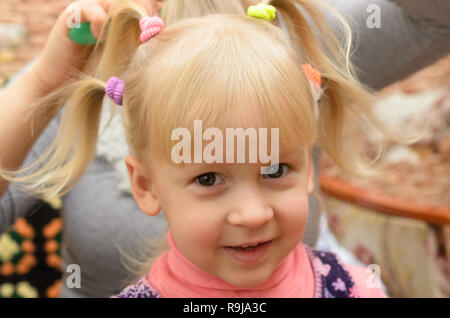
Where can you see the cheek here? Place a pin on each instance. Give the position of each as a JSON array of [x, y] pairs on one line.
[[195, 225], [196, 229], [190, 219], [293, 213]]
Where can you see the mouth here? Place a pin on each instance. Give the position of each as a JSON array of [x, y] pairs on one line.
[[248, 253], [247, 246]]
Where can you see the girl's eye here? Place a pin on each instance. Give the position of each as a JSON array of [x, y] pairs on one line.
[[208, 179], [282, 169]]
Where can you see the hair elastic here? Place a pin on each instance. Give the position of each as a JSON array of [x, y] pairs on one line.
[[315, 80], [313, 75], [262, 11], [150, 26], [114, 89]]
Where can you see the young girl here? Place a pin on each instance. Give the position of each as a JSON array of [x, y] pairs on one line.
[[235, 230]]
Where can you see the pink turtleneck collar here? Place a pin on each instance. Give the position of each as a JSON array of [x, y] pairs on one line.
[[174, 276]]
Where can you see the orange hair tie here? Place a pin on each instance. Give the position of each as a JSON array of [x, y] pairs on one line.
[[313, 75]]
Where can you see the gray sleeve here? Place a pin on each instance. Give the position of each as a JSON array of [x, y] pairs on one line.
[[15, 203], [412, 35]]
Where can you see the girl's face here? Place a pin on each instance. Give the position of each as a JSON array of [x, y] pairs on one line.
[[215, 209]]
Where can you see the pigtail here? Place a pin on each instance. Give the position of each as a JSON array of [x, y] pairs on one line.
[[69, 154], [63, 163], [327, 51], [346, 106], [122, 40]]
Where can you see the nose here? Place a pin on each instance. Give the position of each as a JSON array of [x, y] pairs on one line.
[[251, 210]]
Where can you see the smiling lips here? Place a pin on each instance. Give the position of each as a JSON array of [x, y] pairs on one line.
[[247, 246], [248, 253]]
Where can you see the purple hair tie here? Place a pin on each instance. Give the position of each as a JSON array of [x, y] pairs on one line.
[[114, 89]]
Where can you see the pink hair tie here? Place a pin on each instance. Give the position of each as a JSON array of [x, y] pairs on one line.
[[150, 26], [114, 89]]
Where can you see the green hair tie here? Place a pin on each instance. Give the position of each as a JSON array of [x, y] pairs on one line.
[[83, 35]]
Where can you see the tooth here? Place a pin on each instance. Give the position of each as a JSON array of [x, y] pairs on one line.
[[250, 245]]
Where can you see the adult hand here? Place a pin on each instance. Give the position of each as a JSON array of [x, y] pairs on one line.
[[60, 54]]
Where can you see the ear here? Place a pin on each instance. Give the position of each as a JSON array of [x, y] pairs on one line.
[[311, 176], [141, 187]]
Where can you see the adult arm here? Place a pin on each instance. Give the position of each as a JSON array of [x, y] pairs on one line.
[[18, 130], [14, 203]]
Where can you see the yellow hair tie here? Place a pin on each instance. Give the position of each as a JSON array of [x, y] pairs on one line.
[[262, 11]]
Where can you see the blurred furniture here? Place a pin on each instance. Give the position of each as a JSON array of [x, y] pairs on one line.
[[410, 243]]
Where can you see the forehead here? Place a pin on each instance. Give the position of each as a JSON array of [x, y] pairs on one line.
[[297, 156]]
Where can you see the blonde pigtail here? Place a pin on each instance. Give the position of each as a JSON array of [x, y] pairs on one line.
[[122, 40], [68, 156], [347, 107], [61, 166]]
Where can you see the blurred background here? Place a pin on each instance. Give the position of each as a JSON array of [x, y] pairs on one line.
[[399, 222]]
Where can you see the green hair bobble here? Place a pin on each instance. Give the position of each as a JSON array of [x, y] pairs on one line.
[[82, 35]]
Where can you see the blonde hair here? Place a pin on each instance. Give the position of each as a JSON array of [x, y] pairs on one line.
[[223, 69]]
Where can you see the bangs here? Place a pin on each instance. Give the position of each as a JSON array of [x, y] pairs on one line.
[[231, 75]]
